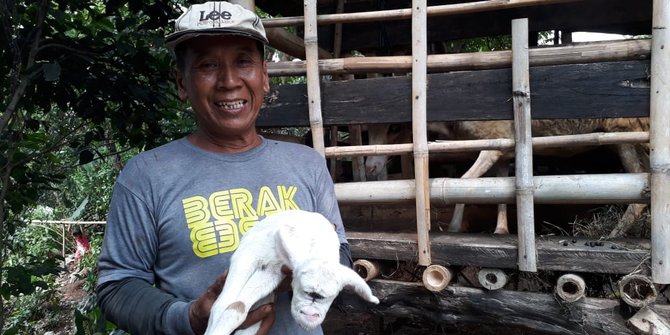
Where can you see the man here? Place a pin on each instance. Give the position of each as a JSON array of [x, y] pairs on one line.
[[179, 211]]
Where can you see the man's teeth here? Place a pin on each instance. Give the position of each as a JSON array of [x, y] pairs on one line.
[[231, 104]]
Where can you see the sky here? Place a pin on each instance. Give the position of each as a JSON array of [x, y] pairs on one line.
[[587, 37]]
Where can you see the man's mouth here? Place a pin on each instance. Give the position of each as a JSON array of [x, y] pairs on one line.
[[237, 104]]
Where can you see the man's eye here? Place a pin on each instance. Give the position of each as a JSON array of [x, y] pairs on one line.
[[207, 66], [245, 62]]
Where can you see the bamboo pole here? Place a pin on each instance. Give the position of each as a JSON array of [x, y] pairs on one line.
[[618, 188], [591, 52], [400, 14], [659, 139], [523, 148], [570, 287], [539, 144], [420, 129], [313, 88]]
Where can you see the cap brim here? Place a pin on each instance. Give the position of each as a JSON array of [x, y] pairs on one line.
[[173, 39]]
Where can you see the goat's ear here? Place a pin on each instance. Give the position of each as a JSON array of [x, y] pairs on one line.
[[287, 243], [349, 278]]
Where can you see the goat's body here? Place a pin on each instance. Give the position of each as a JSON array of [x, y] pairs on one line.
[[474, 130], [304, 241]]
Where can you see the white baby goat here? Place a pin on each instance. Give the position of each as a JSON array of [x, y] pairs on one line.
[[308, 244]]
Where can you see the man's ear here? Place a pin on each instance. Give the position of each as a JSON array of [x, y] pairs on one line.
[[179, 80], [266, 78]]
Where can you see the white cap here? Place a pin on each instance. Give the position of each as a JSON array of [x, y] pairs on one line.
[[216, 18]]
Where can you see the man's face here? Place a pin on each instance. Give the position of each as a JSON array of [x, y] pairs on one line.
[[224, 79]]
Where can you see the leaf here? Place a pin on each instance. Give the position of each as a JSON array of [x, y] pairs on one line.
[[51, 71], [85, 156]]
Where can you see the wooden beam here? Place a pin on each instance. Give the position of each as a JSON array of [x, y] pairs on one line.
[[496, 312], [554, 253], [612, 89]]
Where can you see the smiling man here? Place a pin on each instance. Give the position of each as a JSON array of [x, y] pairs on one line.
[[179, 211]]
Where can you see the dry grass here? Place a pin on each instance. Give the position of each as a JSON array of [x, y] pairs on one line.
[[604, 219]]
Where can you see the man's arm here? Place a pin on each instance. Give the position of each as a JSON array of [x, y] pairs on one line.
[[345, 255], [139, 308]]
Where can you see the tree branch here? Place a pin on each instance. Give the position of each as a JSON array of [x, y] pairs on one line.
[[23, 80]]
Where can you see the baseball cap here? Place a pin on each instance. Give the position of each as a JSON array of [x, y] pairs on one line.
[[216, 18]]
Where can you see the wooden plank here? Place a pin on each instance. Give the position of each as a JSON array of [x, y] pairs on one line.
[[611, 89], [554, 253], [496, 312]]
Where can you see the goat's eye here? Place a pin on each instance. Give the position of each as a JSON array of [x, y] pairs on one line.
[[314, 295]]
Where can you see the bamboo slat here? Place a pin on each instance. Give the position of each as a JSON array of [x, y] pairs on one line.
[[591, 52], [400, 14], [539, 143], [523, 149], [419, 128], [659, 138], [313, 78], [616, 188]]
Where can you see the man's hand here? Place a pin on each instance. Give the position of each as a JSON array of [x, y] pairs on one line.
[[285, 284], [198, 313]]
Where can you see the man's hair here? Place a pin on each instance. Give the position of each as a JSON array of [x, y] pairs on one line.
[[180, 53]]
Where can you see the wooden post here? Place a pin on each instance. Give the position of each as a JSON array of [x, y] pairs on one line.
[[313, 79], [659, 140], [419, 127], [523, 148]]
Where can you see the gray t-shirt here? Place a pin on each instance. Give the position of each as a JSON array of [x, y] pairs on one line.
[[178, 212]]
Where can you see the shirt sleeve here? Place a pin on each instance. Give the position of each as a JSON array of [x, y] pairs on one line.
[[126, 292], [327, 202], [137, 307]]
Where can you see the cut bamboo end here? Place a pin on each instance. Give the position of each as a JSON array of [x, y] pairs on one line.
[[366, 269], [570, 287], [437, 277], [637, 290], [492, 279]]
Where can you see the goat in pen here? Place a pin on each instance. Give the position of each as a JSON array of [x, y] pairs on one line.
[[633, 157]]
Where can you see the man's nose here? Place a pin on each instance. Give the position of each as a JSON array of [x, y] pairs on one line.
[[228, 77]]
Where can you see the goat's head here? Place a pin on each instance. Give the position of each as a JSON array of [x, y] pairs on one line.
[[316, 284]]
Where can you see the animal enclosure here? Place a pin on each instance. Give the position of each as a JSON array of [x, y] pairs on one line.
[[399, 62]]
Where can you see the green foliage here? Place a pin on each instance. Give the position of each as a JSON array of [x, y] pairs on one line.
[[29, 283], [84, 83]]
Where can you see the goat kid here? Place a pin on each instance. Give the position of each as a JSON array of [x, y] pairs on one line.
[[308, 244]]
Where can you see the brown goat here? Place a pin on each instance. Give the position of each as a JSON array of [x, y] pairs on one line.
[[472, 130]]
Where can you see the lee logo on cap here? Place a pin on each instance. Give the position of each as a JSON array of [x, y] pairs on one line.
[[215, 15]]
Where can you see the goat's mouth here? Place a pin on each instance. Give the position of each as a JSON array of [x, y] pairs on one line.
[[310, 316]]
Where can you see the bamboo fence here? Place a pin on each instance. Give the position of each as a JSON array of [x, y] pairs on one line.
[[613, 188]]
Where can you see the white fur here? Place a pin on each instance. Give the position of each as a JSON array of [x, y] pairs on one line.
[[304, 241]]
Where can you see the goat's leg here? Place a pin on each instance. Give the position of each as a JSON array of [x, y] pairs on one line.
[[632, 163], [484, 162], [502, 225], [226, 316]]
